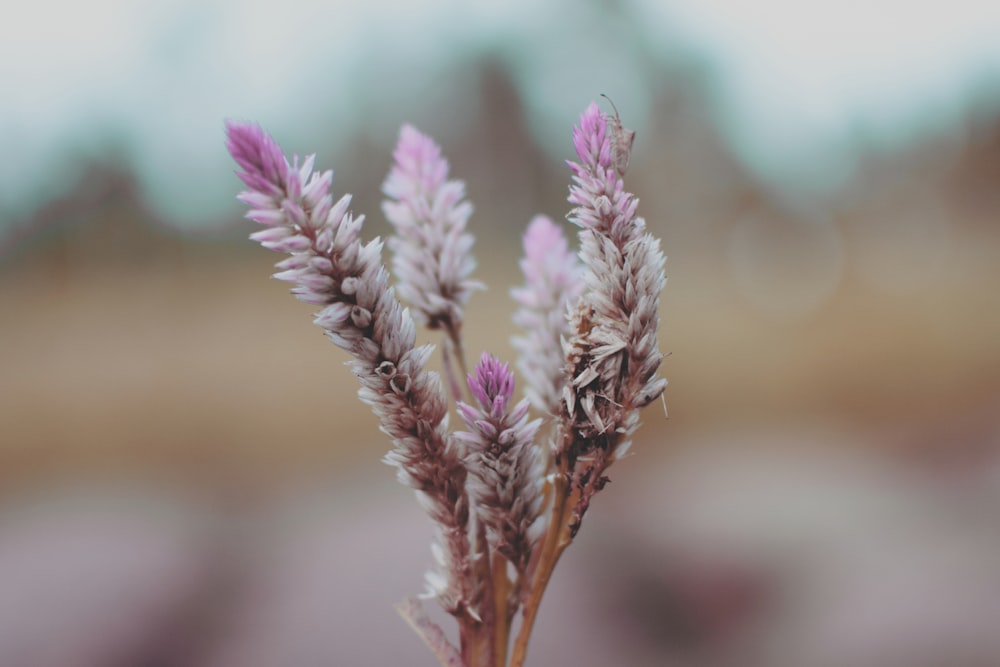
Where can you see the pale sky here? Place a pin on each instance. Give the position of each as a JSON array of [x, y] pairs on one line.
[[156, 78]]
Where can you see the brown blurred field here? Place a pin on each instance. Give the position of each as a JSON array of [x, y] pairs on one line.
[[127, 346]]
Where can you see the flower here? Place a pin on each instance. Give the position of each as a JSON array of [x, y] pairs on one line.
[[432, 259], [612, 351], [503, 507], [329, 266], [506, 467], [551, 283]]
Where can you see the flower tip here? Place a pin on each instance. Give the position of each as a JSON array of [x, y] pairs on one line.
[[542, 237], [232, 125], [541, 226], [258, 155], [414, 142], [409, 131], [240, 134], [491, 379]]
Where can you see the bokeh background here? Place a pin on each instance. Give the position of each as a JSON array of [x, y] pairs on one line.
[[188, 479]]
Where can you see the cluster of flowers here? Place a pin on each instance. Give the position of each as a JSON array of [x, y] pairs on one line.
[[506, 494]]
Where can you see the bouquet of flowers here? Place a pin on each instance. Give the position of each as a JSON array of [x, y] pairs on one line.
[[508, 489]]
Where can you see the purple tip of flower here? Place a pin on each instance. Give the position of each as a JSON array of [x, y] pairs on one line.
[[546, 252], [420, 167], [431, 249], [552, 279], [492, 384], [264, 167], [590, 138]]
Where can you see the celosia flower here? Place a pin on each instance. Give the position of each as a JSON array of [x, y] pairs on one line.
[[505, 466], [588, 353], [551, 283], [432, 259], [329, 266], [612, 351]]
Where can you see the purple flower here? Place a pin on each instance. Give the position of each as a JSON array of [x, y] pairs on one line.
[[432, 259], [506, 467], [492, 384], [330, 267], [501, 504], [551, 283], [612, 350]]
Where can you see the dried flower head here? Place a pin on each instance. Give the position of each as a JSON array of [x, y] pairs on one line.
[[432, 259], [612, 350], [503, 507], [551, 284], [506, 467], [329, 266]]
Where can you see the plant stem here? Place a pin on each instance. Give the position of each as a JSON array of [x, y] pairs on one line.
[[556, 541], [477, 644], [478, 635], [501, 590], [455, 334], [453, 347]]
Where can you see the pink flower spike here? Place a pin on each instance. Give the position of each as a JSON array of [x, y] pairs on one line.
[[505, 500], [611, 349], [492, 384], [552, 282], [506, 467], [330, 267], [264, 166], [431, 257]]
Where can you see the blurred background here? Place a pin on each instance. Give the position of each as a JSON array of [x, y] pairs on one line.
[[188, 479]]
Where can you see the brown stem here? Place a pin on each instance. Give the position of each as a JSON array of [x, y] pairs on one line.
[[455, 334], [556, 541], [454, 387], [477, 644], [478, 635], [453, 347], [501, 594]]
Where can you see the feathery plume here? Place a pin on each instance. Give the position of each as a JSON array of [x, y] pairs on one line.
[[588, 353], [612, 351], [432, 259], [330, 267], [505, 466], [551, 283]]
